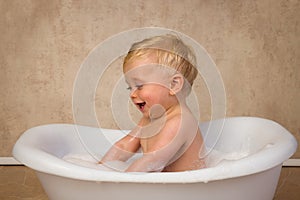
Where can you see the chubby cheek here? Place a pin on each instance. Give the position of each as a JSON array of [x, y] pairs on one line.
[[147, 96], [156, 96]]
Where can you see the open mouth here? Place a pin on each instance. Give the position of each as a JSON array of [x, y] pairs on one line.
[[141, 105]]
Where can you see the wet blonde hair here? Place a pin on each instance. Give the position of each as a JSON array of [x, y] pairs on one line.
[[170, 51]]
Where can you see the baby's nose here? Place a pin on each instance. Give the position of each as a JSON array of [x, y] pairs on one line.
[[133, 93]]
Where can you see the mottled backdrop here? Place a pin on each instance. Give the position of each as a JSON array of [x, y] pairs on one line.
[[255, 45]]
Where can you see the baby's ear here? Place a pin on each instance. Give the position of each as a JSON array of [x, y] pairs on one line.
[[177, 82]]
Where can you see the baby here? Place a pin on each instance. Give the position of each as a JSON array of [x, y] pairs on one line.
[[160, 72]]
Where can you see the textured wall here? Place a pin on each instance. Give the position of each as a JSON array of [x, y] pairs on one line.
[[255, 45]]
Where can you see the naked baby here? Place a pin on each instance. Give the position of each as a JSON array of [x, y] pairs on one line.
[[160, 72]]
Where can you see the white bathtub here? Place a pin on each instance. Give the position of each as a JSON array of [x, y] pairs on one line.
[[255, 176]]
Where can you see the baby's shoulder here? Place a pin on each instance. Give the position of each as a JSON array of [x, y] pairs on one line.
[[183, 120]]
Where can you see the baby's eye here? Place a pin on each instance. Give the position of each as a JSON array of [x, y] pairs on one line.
[[139, 87]]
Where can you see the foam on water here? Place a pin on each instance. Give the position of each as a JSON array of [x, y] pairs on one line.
[[86, 160], [213, 158]]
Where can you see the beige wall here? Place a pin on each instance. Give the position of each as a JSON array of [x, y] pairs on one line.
[[255, 45]]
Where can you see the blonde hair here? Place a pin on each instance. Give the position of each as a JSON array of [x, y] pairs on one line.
[[169, 51]]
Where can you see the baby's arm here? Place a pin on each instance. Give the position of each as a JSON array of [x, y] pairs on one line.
[[167, 144], [122, 150]]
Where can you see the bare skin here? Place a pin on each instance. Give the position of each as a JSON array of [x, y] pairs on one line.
[[167, 133]]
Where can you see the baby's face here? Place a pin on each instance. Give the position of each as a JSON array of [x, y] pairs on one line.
[[149, 86]]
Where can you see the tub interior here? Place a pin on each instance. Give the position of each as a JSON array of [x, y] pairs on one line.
[[224, 140]]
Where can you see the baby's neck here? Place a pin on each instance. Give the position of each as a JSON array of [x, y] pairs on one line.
[[157, 112], [151, 126]]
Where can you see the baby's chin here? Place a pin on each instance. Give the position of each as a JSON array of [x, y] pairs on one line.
[[156, 111]]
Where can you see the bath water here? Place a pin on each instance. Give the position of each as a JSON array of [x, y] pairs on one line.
[[213, 158]]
